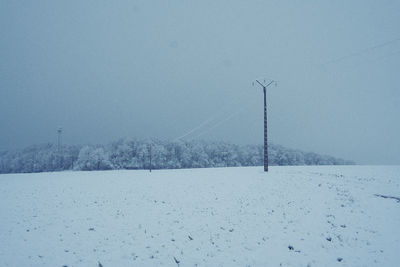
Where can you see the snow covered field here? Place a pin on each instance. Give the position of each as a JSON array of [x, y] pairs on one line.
[[291, 216]]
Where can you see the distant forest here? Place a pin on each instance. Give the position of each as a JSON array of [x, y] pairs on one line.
[[135, 154]]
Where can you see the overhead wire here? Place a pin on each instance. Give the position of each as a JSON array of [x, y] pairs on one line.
[[219, 123], [215, 117], [214, 121], [194, 129], [360, 52]]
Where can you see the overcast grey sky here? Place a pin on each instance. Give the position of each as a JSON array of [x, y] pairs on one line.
[[109, 69]]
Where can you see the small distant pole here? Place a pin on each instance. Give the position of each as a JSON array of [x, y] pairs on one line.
[[150, 157], [264, 86], [59, 132]]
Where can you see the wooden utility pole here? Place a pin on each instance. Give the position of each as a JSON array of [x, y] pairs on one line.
[[59, 132], [265, 123], [149, 148]]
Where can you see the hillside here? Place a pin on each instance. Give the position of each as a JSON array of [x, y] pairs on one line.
[[291, 216]]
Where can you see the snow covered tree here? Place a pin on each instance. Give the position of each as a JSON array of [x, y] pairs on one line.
[[91, 158], [134, 154]]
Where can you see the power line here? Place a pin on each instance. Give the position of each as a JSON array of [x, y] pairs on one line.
[[361, 52], [195, 128], [214, 117], [219, 123]]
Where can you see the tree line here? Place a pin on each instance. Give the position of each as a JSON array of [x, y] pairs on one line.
[[135, 154]]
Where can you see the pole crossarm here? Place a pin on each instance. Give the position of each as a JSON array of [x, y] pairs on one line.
[[265, 86]]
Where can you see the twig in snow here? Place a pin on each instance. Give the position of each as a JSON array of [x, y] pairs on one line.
[[395, 198], [176, 261]]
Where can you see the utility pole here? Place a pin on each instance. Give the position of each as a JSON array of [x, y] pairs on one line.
[[149, 148], [264, 86], [59, 132]]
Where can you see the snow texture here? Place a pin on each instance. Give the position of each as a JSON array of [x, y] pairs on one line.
[[291, 216]]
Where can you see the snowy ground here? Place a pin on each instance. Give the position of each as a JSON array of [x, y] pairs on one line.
[[293, 216]]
